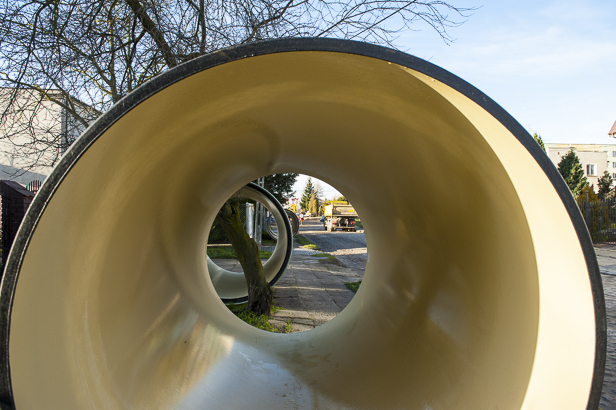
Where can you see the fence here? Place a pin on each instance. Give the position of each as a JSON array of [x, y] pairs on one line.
[[247, 211], [600, 218], [34, 186]]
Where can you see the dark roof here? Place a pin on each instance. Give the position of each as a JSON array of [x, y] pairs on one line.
[[613, 130], [17, 187]]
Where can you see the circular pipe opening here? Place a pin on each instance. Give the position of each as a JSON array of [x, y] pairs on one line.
[[231, 285], [272, 227], [479, 289]]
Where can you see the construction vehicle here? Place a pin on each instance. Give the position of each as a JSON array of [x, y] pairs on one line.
[[339, 216]]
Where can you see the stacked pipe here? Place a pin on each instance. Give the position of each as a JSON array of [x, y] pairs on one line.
[[231, 286]]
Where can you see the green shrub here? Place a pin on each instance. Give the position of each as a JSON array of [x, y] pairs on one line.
[[354, 286]]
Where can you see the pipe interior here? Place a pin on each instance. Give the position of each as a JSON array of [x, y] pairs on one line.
[[114, 307]]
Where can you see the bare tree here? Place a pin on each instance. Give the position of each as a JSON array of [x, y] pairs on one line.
[[82, 56]]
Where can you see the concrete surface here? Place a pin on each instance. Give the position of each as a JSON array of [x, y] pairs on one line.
[[312, 292]]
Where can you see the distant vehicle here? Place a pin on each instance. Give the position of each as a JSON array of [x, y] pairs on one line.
[[339, 216]]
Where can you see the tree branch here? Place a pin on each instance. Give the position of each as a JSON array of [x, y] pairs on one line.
[[156, 34]]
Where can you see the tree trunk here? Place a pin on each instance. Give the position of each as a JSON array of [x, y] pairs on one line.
[[259, 291]]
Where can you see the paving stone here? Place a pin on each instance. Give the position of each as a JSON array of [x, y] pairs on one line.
[[310, 294], [323, 308], [608, 395], [292, 314], [285, 293], [303, 321], [290, 304], [297, 327]]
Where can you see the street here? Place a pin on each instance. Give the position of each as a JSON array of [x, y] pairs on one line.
[[349, 247]]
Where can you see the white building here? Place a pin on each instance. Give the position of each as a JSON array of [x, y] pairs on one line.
[[35, 133], [595, 158]]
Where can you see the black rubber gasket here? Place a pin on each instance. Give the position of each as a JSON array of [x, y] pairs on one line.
[[197, 65]]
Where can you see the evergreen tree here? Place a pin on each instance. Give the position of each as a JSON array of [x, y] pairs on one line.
[[308, 190], [539, 141], [605, 185], [281, 186], [313, 203], [571, 170], [591, 193]]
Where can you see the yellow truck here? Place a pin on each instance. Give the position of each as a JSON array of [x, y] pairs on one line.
[[339, 216]]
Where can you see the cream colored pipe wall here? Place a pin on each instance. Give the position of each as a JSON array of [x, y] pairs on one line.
[[475, 296]]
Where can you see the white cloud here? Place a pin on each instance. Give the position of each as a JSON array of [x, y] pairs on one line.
[[552, 52], [550, 64]]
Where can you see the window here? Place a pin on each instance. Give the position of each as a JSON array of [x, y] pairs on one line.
[[613, 164], [590, 169], [614, 153], [613, 175]]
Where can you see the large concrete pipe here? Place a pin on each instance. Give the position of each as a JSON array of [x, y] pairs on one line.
[[481, 289], [231, 286], [293, 220]]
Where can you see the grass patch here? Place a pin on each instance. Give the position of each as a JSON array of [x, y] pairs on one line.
[[354, 286], [227, 252], [258, 321], [276, 308], [306, 243], [328, 258]]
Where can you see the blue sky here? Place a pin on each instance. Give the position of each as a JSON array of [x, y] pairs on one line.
[[551, 64]]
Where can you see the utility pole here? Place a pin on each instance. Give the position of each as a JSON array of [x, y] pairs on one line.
[[259, 212]]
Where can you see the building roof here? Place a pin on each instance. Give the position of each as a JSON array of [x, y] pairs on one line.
[[613, 130], [17, 187]]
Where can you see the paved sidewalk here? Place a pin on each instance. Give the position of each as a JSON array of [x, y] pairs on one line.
[[606, 256], [312, 291]]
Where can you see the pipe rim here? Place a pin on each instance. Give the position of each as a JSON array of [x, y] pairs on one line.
[[45, 194], [294, 225], [288, 244]]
